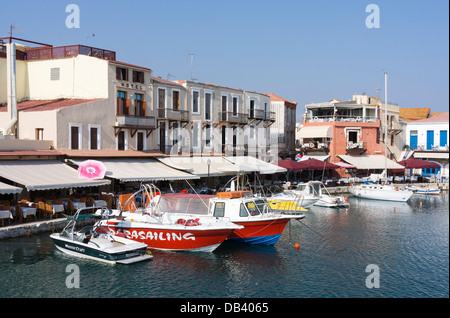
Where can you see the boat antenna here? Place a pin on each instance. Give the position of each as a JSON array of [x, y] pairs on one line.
[[385, 128]]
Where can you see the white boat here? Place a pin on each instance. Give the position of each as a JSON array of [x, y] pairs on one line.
[[420, 191], [370, 190], [306, 194], [97, 242]]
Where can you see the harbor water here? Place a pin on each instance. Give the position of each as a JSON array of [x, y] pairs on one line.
[[373, 249]]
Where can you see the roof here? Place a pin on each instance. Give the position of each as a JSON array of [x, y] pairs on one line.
[[441, 118], [84, 153], [49, 104], [5, 153], [164, 81], [410, 114], [127, 64], [276, 98]]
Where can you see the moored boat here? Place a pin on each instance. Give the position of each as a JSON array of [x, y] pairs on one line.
[[174, 228], [370, 190], [97, 242]]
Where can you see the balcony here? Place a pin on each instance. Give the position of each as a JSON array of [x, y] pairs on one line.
[[173, 115], [233, 118], [269, 116], [349, 119], [45, 53], [316, 147], [257, 114], [359, 147], [136, 121]]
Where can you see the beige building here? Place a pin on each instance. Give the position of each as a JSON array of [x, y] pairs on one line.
[[79, 97]]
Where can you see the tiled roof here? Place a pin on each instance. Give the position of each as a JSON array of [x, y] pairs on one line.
[[30, 153], [51, 104], [441, 118], [164, 81], [276, 98], [411, 114]]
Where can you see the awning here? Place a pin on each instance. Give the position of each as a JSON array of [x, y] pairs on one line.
[[318, 157], [315, 132], [129, 170], [198, 165], [431, 155], [45, 175], [370, 162], [9, 189], [258, 165]]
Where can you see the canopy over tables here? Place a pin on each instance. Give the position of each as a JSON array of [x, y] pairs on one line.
[[129, 170], [255, 164], [9, 189], [413, 163], [201, 166], [368, 162], [45, 175]]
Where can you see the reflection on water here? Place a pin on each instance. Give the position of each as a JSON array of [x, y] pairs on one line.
[[408, 241]]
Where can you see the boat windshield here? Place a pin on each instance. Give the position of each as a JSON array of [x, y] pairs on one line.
[[187, 204], [302, 187], [263, 206]]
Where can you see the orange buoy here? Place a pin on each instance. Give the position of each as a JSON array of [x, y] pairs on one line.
[[297, 245]]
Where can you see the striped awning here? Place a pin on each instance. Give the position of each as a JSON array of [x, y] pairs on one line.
[[9, 189]]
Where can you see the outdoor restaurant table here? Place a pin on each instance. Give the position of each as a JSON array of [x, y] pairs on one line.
[[5, 214], [57, 208], [76, 204], [100, 203], [26, 210]]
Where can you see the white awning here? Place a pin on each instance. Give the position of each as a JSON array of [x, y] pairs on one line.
[[255, 164], [315, 132], [129, 170], [198, 165], [431, 155], [370, 162], [9, 189], [45, 175]]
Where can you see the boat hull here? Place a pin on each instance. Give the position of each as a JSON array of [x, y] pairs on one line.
[[262, 232], [384, 195], [182, 239], [81, 250]]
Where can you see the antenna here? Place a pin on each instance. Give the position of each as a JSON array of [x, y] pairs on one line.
[[192, 65], [377, 90], [11, 27], [169, 75]]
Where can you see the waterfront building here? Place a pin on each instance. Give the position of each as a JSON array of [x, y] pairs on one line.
[[346, 130], [77, 96], [428, 139], [283, 130]]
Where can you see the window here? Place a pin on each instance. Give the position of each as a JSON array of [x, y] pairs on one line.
[[54, 74], [195, 101], [39, 133], [219, 209], [176, 100], [75, 136], [175, 134], [140, 145], [242, 211], [196, 135], [235, 106], [353, 136], [138, 77], [208, 133], [224, 108], [123, 104], [392, 140], [139, 104], [94, 137], [121, 141], [252, 108], [251, 207], [208, 98], [121, 74]]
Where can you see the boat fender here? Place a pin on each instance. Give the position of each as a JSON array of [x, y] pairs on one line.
[[181, 221], [396, 189], [192, 222]]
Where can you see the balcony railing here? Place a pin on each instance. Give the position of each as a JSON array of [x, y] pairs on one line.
[[256, 114], [356, 145], [170, 114], [234, 118], [354, 119], [269, 116], [45, 53], [136, 121]]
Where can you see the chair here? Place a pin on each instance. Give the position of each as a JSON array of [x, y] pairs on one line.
[[5, 208], [41, 208], [19, 213], [90, 202], [70, 207]]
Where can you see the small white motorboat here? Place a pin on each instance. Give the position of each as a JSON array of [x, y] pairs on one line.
[[97, 242]]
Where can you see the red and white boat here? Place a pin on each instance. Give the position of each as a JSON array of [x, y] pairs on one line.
[[174, 229], [260, 224]]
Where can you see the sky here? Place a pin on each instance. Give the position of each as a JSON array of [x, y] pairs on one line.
[[304, 51]]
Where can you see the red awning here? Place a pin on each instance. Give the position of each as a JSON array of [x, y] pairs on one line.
[[413, 163]]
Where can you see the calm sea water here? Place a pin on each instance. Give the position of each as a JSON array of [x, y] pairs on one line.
[[409, 243]]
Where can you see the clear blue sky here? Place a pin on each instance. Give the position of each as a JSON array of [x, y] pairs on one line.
[[305, 51]]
